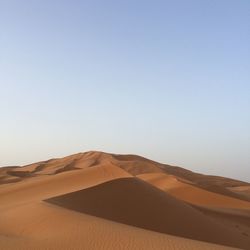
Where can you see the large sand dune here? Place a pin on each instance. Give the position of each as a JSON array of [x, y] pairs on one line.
[[98, 203], [134, 202]]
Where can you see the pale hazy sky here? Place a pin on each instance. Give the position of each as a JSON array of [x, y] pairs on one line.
[[169, 80]]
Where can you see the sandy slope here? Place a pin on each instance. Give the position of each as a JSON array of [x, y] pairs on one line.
[[42, 187], [29, 223], [242, 190], [43, 226], [132, 164], [135, 202], [231, 212], [191, 193]]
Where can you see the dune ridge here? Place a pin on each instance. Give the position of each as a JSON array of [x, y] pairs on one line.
[[211, 204], [135, 202]]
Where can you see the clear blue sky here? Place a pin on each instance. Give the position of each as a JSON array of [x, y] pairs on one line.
[[169, 80]]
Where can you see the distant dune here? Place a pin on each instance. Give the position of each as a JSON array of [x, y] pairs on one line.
[[189, 192], [96, 200]]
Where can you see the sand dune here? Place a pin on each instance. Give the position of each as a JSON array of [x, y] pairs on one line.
[[107, 183], [131, 201], [42, 187], [7, 178], [43, 226], [242, 190], [216, 184], [191, 193]]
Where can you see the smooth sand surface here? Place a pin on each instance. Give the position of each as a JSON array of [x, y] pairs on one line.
[[28, 222], [191, 193], [132, 201], [44, 226], [41, 187]]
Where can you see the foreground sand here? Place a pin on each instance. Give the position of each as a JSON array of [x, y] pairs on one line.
[[49, 227], [28, 221]]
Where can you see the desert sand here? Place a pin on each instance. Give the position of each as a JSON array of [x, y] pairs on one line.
[[96, 200]]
